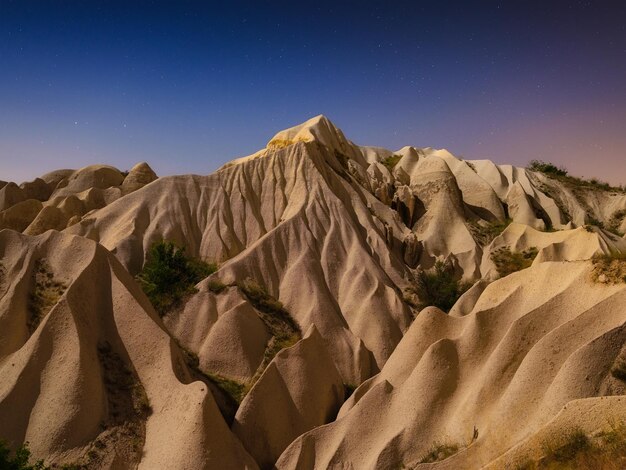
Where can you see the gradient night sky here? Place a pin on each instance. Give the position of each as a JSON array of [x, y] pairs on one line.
[[188, 86]]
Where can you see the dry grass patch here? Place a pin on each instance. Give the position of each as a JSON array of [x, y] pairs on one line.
[[216, 286], [561, 174], [508, 262], [284, 332], [576, 450], [282, 327], [45, 293], [485, 232], [609, 269], [439, 451], [124, 427]]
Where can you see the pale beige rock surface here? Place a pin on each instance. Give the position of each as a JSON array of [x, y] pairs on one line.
[[520, 356], [336, 236], [300, 390], [58, 386]]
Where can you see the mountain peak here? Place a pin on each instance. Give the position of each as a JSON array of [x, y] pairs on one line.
[[318, 128]]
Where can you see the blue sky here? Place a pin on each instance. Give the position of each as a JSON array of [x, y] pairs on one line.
[[188, 86]]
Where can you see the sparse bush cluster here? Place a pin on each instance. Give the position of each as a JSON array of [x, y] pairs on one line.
[[560, 173], [592, 221], [484, 233], [604, 451], [609, 269], [283, 328], [169, 274], [236, 390], [391, 161], [439, 452], [438, 287], [547, 168], [18, 460], [216, 286], [44, 295], [508, 261]]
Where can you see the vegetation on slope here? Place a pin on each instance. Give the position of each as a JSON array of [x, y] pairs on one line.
[[547, 168], [169, 275], [284, 332], [609, 269], [45, 293], [485, 232], [605, 451], [615, 221], [19, 460], [561, 174], [391, 161], [128, 409], [437, 287], [508, 261], [439, 452], [227, 392], [216, 286], [282, 327]]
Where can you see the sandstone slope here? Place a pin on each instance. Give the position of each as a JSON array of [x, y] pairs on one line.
[[89, 375]]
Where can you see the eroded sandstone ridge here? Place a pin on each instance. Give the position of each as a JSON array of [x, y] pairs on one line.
[[313, 345]]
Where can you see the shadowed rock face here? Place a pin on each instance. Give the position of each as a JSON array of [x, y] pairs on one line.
[[333, 238]]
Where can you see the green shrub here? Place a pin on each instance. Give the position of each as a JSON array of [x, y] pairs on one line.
[[19, 460], [508, 261], [236, 390], [547, 168], [561, 174], [391, 161], [216, 286], [168, 275], [439, 287], [277, 319]]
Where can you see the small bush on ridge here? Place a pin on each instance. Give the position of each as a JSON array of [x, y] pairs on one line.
[[439, 287], [169, 275]]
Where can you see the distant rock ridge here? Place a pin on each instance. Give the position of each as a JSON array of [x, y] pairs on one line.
[[61, 198]]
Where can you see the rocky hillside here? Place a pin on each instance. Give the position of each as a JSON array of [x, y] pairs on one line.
[[367, 309]]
